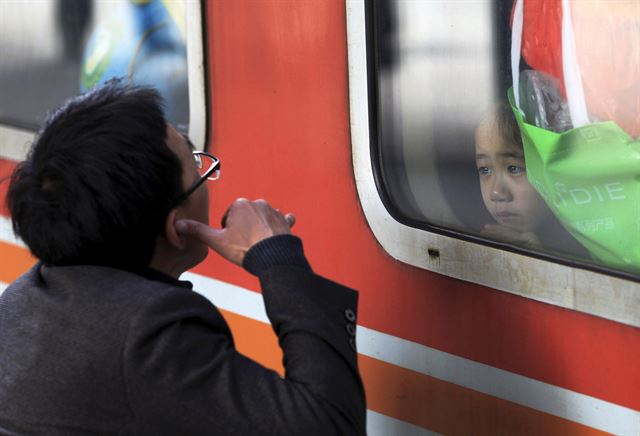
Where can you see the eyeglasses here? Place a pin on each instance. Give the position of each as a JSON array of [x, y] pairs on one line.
[[208, 168]]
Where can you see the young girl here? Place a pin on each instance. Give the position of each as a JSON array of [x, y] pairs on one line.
[[521, 215]]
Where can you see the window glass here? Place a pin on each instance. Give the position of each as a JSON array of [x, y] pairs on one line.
[[51, 50], [544, 171]]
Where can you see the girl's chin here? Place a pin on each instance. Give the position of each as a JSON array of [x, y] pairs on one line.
[[514, 224]]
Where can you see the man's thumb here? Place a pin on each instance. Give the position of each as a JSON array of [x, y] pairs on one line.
[[198, 230]]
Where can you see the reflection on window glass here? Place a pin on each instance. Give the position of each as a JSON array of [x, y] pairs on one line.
[[541, 157], [55, 49], [436, 77]]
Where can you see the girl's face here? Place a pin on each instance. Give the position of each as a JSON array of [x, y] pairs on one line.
[[506, 192]]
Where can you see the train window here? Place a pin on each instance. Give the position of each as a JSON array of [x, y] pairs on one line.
[[463, 173], [53, 50]]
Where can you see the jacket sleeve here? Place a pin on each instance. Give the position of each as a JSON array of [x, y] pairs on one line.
[[184, 375]]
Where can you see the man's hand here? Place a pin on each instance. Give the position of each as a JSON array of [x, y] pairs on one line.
[[244, 224]]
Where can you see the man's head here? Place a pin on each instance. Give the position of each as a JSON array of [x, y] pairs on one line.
[[101, 180], [506, 192]]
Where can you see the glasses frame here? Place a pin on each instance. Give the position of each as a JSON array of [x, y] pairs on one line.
[[214, 170]]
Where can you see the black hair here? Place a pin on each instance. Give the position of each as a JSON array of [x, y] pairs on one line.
[[507, 124], [98, 181]]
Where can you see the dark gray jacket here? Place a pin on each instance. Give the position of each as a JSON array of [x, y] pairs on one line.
[[94, 350]]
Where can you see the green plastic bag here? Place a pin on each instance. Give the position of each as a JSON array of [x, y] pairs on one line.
[[588, 175], [590, 178]]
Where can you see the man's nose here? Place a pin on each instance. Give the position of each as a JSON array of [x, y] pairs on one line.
[[500, 190]]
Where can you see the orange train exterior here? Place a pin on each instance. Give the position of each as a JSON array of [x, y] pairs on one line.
[[437, 354]]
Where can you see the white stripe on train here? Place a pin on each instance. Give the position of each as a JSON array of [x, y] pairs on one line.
[[6, 233], [382, 425], [508, 386]]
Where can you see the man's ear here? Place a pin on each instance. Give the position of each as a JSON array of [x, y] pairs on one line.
[[171, 234]]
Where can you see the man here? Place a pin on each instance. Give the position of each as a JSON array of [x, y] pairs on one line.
[[101, 337]]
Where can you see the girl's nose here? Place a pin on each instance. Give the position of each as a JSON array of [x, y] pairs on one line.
[[499, 190]]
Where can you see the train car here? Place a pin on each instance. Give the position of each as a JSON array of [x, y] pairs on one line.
[[360, 118]]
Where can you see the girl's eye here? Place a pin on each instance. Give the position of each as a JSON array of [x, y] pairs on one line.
[[484, 171], [514, 169]]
